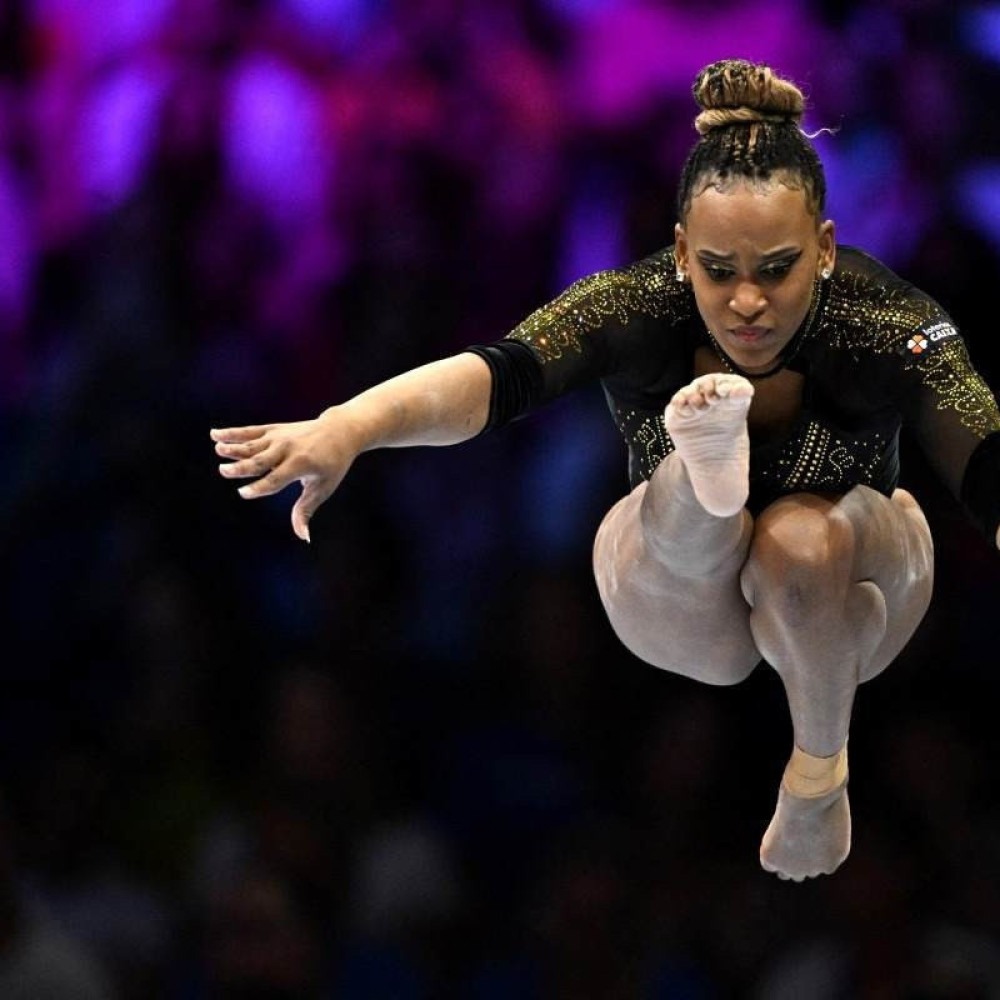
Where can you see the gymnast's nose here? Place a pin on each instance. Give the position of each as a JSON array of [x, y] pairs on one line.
[[748, 300]]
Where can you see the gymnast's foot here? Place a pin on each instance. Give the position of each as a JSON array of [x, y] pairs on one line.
[[707, 421], [807, 836]]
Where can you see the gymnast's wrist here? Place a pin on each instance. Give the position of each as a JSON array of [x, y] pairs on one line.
[[350, 431]]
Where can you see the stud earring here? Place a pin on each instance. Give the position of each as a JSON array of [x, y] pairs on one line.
[[681, 275], [825, 273]]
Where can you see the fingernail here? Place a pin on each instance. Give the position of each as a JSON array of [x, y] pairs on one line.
[[244, 491]]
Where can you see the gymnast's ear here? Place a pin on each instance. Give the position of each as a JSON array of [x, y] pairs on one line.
[[681, 250], [827, 248]]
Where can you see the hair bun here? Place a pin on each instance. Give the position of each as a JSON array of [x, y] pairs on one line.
[[734, 91]]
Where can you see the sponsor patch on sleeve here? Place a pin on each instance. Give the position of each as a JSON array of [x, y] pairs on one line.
[[928, 336]]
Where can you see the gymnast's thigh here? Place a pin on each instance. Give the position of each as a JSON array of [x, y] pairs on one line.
[[689, 621]]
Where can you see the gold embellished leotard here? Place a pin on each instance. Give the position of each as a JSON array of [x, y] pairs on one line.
[[875, 352]]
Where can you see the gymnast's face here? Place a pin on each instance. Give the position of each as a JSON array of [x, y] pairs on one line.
[[753, 252]]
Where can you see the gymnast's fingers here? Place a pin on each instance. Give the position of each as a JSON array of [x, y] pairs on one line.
[[314, 493], [270, 483], [245, 449], [253, 465], [232, 434]]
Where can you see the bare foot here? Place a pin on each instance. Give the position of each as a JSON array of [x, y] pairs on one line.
[[807, 836], [707, 421]]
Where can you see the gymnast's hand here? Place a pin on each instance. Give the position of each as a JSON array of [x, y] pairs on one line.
[[316, 452], [444, 402]]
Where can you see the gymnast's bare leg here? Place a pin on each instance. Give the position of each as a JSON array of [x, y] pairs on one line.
[[668, 571], [826, 590]]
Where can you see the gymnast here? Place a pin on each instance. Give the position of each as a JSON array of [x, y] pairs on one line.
[[759, 374]]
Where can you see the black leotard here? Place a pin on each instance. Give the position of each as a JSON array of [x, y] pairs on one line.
[[875, 352]]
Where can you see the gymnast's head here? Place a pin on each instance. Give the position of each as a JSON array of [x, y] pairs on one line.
[[751, 239], [749, 125]]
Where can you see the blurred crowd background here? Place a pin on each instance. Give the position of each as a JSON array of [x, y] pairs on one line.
[[410, 761]]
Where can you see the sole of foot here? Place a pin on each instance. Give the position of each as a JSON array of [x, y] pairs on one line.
[[707, 421]]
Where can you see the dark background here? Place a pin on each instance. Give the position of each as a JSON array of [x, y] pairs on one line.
[[411, 760]]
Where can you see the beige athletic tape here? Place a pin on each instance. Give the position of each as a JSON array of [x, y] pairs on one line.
[[808, 777]]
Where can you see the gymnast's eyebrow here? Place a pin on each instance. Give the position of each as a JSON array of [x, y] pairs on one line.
[[705, 254]]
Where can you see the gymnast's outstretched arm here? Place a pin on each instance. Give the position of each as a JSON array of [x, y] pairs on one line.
[[444, 402]]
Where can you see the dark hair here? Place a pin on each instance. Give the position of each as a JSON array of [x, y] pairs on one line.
[[749, 127]]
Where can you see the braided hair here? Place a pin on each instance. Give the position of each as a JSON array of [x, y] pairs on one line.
[[749, 128]]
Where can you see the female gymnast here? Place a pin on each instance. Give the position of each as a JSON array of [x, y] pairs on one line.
[[760, 375]]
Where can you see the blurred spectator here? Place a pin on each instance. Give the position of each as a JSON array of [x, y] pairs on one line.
[[38, 959], [259, 944], [878, 943], [74, 872]]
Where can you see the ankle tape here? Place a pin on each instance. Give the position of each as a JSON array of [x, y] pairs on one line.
[[808, 777]]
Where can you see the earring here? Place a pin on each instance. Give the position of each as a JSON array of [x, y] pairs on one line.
[[825, 273], [681, 275]]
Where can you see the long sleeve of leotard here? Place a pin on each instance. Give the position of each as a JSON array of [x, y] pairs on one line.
[[925, 369], [622, 324], [954, 417]]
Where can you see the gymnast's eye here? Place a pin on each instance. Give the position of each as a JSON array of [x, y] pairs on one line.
[[779, 268], [717, 273], [776, 270]]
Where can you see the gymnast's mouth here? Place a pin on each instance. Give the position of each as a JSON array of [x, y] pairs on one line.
[[749, 334]]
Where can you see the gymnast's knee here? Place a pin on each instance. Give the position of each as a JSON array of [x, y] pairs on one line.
[[800, 557]]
